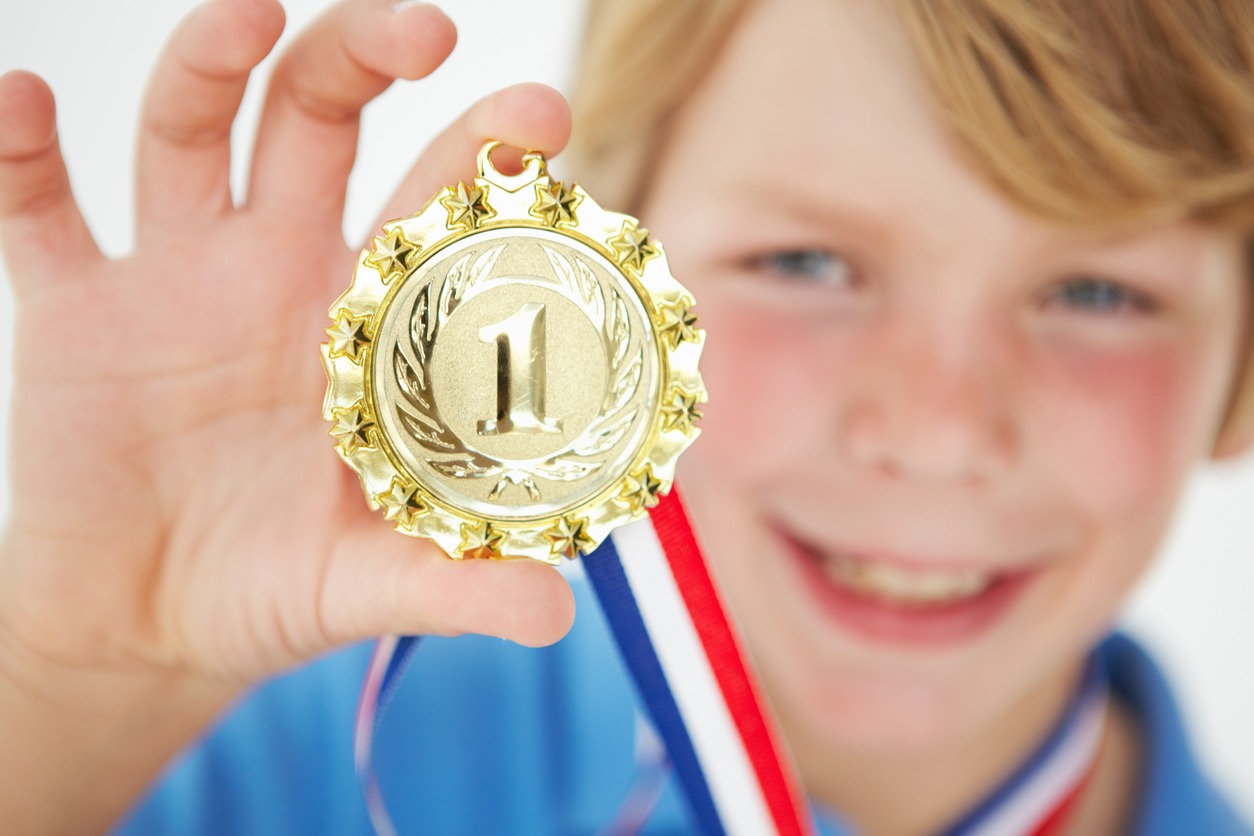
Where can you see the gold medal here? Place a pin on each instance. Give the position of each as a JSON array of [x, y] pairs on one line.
[[513, 371]]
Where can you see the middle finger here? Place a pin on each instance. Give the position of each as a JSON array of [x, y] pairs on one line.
[[307, 139]]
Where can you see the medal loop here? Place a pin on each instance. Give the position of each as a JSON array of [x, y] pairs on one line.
[[534, 167]]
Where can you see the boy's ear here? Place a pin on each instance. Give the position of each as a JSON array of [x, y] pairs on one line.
[[1237, 434], [1232, 444]]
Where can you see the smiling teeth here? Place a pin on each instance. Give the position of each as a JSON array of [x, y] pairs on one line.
[[913, 586]]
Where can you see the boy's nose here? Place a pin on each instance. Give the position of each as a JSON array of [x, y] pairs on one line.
[[931, 413]]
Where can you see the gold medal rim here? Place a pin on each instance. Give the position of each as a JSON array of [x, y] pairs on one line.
[[494, 202]]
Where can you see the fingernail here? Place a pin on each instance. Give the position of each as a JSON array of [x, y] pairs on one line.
[[401, 5]]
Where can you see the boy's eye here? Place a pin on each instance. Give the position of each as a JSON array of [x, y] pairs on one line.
[[1100, 296], [811, 265]]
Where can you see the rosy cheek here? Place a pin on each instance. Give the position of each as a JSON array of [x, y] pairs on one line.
[[761, 373], [1113, 424]]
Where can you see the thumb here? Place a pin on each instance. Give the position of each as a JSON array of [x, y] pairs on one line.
[[380, 582]]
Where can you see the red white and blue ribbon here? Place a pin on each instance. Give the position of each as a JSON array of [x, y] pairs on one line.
[[388, 661], [672, 629], [687, 661]]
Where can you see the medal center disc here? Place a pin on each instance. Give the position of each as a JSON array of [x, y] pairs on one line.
[[515, 375], [518, 371]]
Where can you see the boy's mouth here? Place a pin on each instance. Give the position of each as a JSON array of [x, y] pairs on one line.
[[896, 585], [905, 602]]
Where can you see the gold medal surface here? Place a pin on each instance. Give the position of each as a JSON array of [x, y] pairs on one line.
[[513, 371]]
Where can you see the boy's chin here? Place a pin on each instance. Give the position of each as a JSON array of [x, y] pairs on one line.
[[867, 711], [866, 718]]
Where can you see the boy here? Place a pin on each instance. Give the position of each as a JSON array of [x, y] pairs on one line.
[[952, 418]]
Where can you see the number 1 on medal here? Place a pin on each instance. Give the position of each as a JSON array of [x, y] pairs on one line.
[[520, 373]]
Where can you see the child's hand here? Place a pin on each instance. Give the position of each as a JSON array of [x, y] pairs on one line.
[[179, 517]]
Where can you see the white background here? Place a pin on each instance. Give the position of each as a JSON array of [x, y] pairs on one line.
[[1196, 609]]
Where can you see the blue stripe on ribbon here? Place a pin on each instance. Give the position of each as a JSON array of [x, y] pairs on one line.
[[398, 662], [605, 570]]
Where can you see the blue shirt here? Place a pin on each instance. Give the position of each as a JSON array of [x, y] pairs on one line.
[[487, 737]]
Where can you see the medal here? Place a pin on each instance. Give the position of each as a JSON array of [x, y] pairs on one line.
[[513, 371]]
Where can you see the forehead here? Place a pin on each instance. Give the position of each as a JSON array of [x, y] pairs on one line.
[[811, 93], [800, 75]]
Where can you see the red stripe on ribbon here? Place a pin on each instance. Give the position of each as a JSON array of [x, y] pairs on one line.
[[1057, 820], [762, 740]]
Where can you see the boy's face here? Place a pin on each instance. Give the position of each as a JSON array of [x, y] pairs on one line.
[[944, 436]]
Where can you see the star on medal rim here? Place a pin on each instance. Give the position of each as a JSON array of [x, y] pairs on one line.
[[352, 428], [393, 254], [467, 206], [677, 323], [481, 540], [569, 537], [633, 246], [680, 411], [642, 490], [348, 335], [402, 503], [555, 204]]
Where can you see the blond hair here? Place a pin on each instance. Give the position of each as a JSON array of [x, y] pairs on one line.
[[1104, 112], [639, 61]]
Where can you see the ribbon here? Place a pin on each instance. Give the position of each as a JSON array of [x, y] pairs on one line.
[[668, 619], [388, 662]]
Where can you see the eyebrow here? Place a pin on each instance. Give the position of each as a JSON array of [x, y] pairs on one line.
[[808, 206]]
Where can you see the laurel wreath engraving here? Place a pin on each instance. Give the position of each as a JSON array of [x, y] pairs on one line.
[[451, 457]]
